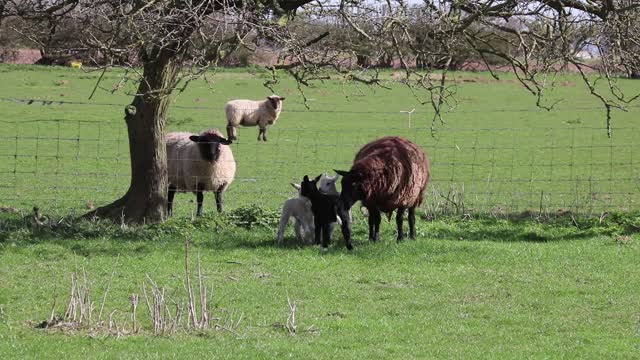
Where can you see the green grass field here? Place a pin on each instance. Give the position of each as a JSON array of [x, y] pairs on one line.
[[477, 286], [497, 150]]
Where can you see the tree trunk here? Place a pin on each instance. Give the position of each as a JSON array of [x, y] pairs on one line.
[[146, 199]]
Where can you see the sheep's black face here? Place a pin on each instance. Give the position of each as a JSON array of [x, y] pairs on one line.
[[276, 101], [351, 191], [308, 187], [209, 145]]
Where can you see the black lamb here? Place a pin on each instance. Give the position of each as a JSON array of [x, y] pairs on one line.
[[324, 208]]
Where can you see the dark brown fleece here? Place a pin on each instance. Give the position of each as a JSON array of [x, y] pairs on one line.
[[393, 173]]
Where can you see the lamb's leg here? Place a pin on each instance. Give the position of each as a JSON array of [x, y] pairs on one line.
[[284, 219], [412, 222], [260, 134], [333, 224], [171, 194], [326, 236], [318, 230], [309, 230], [219, 201], [199, 198], [298, 228], [264, 134], [346, 227], [399, 218]]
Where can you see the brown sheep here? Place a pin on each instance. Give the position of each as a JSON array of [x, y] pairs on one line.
[[387, 174]]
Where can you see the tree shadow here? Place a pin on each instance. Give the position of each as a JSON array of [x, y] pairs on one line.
[[92, 238]]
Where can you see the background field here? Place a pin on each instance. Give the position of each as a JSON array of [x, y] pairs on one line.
[[497, 152], [468, 287]]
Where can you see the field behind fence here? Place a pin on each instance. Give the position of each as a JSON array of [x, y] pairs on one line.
[[496, 153]]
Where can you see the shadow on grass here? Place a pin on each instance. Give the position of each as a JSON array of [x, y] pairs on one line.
[[530, 227], [255, 228]]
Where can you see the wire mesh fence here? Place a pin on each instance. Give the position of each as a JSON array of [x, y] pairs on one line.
[[69, 166]]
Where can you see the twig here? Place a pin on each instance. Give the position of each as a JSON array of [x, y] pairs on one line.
[[53, 306], [104, 298], [134, 308]]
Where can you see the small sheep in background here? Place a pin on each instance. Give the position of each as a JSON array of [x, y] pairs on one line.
[[387, 174], [300, 209], [199, 163], [251, 113], [324, 208]]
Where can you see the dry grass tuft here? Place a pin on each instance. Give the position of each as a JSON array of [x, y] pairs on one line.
[[165, 311]]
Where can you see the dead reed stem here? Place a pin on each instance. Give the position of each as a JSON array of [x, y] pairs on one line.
[[104, 297]]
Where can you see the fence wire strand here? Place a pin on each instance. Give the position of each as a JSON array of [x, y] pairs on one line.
[[66, 165]]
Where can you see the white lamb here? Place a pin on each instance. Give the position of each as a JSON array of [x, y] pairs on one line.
[[251, 113], [300, 209], [199, 163]]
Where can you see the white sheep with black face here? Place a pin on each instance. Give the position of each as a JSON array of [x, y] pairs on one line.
[[251, 113], [198, 163]]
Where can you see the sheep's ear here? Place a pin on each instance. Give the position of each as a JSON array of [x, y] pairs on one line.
[[295, 186], [305, 178], [194, 138], [341, 172], [224, 141], [281, 98], [317, 178]]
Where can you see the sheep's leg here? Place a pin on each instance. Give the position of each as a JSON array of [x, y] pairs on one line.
[[374, 224], [284, 219], [264, 134], [376, 235], [412, 222], [199, 198], [231, 133], [399, 219], [371, 223], [219, 201], [260, 133], [172, 193]]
